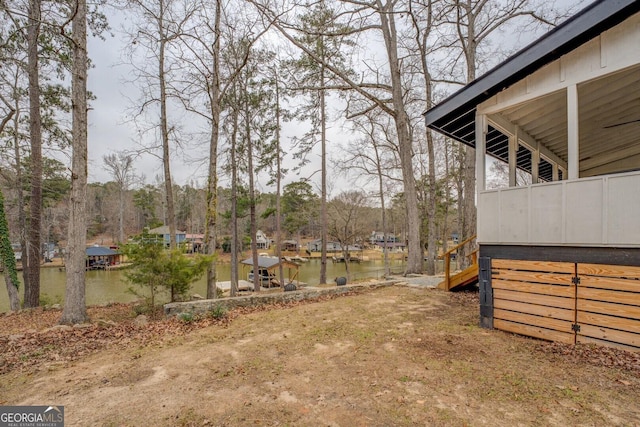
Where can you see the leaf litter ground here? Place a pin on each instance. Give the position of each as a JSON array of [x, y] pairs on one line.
[[389, 356]]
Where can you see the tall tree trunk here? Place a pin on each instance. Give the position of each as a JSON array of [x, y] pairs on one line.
[[385, 231], [121, 217], [235, 245], [212, 181], [405, 146], [252, 196], [74, 306], [323, 190], [278, 187], [164, 126], [431, 208], [447, 197], [34, 244], [422, 33], [469, 168]]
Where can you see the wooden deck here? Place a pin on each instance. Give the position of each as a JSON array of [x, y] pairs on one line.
[[466, 277]]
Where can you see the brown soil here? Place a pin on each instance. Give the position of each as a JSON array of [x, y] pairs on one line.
[[390, 356]]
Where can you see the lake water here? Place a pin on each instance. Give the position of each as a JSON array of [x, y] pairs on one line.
[[112, 286]]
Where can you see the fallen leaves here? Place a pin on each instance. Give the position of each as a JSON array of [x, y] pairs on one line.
[[32, 339], [596, 355]]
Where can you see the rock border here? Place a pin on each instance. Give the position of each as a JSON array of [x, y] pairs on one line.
[[310, 293]]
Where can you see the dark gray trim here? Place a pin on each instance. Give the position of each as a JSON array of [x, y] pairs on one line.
[[457, 112], [590, 255], [486, 292]]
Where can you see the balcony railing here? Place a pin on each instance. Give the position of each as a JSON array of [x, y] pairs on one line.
[[595, 211]]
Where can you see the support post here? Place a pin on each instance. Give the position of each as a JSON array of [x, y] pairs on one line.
[[513, 158], [486, 292], [573, 137], [481, 145], [535, 164]]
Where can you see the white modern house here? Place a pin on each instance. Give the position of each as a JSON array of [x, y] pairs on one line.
[[262, 241], [560, 257]]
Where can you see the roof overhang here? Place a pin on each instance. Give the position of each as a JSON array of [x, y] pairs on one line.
[[455, 116], [270, 262]]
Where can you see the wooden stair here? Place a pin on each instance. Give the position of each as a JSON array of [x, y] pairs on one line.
[[466, 277]]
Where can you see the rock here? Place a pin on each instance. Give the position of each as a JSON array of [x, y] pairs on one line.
[[197, 297], [141, 320]]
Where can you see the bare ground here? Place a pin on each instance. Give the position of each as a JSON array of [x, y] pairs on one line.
[[388, 357]]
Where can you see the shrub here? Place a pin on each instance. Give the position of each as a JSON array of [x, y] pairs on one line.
[[186, 317], [155, 269], [218, 312]]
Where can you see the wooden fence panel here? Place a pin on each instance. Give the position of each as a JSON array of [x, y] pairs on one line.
[[549, 267], [534, 298], [534, 331], [536, 309], [608, 304], [568, 302]]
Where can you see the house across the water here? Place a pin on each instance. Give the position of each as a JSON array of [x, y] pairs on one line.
[[100, 257], [163, 234]]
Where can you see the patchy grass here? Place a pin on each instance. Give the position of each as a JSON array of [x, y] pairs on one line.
[[391, 356]]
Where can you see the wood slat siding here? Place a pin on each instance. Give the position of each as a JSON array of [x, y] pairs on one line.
[[540, 299], [610, 283], [530, 319], [549, 267], [608, 305], [532, 277], [611, 335], [544, 300], [608, 295], [612, 322], [610, 309], [534, 331], [534, 298], [534, 288], [609, 270]]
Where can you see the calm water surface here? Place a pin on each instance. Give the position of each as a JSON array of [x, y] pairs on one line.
[[112, 286]]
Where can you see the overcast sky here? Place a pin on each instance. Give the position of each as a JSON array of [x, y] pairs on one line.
[[110, 131]]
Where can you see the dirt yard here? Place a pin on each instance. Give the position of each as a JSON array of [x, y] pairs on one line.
[[388, 357]]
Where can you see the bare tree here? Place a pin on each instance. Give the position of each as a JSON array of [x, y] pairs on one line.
[[345, 222], [120, 166], [74, 306], [162, 24], [421, 14], [207, 82], [375, 154], [319, 33], [388, 97]]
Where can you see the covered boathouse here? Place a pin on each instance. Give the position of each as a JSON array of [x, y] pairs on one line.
[[560, 257]]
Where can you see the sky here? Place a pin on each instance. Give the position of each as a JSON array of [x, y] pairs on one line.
[[110, 131]]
